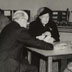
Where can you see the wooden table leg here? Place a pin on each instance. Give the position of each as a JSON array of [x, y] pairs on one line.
[[29, 57], [49, 64], [63, 64]]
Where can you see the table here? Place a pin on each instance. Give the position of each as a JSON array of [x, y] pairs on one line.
[[62, 54]]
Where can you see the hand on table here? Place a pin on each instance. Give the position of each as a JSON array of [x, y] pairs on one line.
[[46, 36], [49, 39]]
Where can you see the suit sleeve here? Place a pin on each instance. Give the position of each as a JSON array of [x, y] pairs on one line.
[[28, 40]]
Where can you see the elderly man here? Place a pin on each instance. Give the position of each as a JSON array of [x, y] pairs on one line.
[[14, 37]]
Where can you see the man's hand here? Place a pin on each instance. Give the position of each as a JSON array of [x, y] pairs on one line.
[[46, 37], [49, 39]]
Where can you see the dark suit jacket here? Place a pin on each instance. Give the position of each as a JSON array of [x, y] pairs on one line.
[[13, 38], [36, 28]]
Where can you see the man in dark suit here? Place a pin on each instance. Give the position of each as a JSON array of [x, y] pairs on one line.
[[14, 37]]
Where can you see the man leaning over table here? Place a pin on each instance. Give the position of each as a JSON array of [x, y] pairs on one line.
[[14, 37]]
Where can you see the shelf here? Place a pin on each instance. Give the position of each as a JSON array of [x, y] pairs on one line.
[[65, 29]]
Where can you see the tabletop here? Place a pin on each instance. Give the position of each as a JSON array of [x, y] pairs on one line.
[[61, 48]]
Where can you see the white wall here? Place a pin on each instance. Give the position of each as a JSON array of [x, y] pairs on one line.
[[60, 4], [33, 5], [64, 36]]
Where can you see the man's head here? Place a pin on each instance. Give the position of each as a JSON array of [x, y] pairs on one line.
[[21, 17]]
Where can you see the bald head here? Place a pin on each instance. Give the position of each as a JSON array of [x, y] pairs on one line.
[[21, 17], [20, 14]]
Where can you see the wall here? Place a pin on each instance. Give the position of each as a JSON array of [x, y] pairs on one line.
[[33, 5], [60, 4], [64, 36]]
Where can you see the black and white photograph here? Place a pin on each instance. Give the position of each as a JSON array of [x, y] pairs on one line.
[[35, 35]]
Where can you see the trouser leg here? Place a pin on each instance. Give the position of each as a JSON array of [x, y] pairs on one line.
[[9, 65], [28, 68]]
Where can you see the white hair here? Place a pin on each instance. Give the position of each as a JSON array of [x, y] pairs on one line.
[[20, 14]]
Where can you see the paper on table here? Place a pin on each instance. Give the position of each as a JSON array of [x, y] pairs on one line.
[[60, 46], [63, 45], [49, 39]]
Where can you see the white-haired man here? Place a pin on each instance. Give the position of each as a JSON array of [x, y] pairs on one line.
[[14, 37]]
